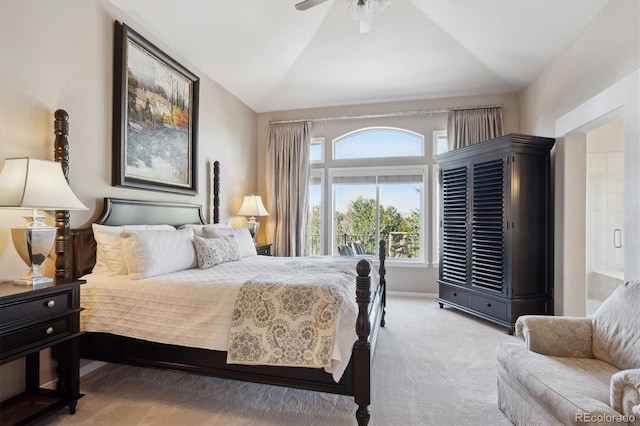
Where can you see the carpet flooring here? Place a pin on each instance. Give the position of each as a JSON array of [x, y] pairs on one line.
[[432, 367]]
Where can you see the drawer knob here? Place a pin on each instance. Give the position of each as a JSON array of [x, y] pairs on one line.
[[454, 294], [49, 330], [488, 305], [51, 303]]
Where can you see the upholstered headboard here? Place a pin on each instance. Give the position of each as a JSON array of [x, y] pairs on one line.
[[118, 212]]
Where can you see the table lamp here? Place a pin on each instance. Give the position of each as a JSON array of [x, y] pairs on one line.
[[252, 206], [28, 183]]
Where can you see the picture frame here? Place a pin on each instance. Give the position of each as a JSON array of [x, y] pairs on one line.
[[155, 117]]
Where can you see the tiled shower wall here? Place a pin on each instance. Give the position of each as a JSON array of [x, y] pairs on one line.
[[605, 195]]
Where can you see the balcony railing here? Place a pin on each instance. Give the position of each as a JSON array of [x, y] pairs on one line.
[[399, 244]]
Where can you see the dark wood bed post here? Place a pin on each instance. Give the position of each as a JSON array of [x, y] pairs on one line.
[[61, 154], [216, 191], [362, 347], [383, 281]]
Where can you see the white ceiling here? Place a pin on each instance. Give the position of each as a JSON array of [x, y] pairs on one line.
[[274, 57]]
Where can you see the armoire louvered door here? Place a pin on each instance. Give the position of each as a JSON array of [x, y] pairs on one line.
[[454, 225], [496, 249], [487, 237]]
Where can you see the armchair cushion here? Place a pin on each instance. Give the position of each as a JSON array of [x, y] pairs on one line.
[[625, 392], [616, 334], [568, 337], [562, 387]]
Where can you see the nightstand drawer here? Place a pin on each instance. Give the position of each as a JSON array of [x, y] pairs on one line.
[[50, 305], [263, 249], [36, 335]]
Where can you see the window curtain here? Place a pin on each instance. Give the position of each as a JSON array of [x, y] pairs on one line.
[[288, 185], [468, 126]]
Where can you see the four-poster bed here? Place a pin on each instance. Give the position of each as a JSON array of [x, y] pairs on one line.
[[77, 257]]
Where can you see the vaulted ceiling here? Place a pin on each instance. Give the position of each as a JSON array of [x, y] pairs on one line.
[[273, 57]]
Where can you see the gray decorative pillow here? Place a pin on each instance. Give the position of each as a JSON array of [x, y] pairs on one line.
[[212, 251], [246, 245]]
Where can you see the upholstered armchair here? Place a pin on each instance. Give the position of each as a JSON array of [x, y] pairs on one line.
[[575, 370]]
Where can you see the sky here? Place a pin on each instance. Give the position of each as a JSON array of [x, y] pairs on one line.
[[380, 143]]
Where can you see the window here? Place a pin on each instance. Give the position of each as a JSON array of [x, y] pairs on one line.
[[372, 186], [315, 222], [378, 142], [436, 229], [440, 142], [372, 204], [316, 153]]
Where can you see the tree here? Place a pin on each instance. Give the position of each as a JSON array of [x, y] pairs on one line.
[[314, 220], [411, 225], [313, 231], [360, 218], [359, 223], [390, 221]]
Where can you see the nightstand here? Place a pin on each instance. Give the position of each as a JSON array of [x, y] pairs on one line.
[[32, 319], [263, 249]]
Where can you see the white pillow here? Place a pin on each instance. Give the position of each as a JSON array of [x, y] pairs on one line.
[[197, 229], [109, 255], [212, 251], [245, 243], [150, 252]]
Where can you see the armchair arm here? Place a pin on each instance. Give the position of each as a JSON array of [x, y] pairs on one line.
[[568, 337], [625, 392]]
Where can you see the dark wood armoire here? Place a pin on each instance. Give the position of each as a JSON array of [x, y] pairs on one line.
[[496, 224]]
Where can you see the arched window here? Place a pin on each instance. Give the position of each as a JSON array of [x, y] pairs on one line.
[[378, 142]]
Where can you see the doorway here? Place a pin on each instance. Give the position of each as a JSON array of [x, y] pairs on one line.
[[620, 100]]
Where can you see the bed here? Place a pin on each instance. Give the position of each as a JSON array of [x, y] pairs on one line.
[[76, 249]]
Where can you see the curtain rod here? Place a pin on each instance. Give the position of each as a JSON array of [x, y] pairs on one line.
[[385, 114]]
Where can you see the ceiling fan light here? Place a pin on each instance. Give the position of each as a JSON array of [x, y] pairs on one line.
[[364, 11]]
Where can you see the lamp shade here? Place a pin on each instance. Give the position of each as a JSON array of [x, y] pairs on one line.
[[252, 206], [37, 184]]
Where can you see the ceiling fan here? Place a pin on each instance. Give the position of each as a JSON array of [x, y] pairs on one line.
[[362, 10], [308, 4]]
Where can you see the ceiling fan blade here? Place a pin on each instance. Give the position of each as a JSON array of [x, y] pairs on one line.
[[308, 4]]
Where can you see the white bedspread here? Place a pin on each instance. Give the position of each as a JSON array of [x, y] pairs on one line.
[[194, 307]]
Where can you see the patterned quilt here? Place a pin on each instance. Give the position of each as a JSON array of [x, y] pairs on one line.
[[289, 318]]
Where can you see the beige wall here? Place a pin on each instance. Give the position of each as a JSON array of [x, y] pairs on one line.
[[418, 279], [607, 138], [59, 55], [595, 76], [605, 52]]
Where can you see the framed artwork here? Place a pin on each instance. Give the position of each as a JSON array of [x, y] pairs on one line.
[[155, 117]]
